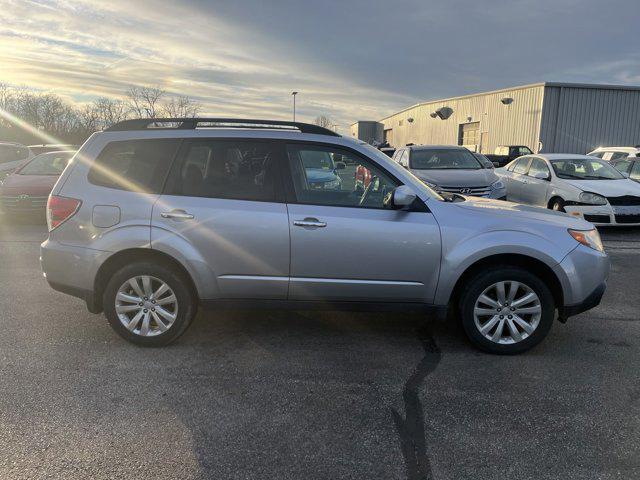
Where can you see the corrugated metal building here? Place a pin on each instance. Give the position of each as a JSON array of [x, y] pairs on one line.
[[367, 131], [546, 117]]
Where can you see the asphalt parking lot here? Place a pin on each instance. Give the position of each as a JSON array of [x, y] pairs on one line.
[[292, 395]]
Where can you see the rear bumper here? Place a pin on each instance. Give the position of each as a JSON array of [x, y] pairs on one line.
[[71, 270]]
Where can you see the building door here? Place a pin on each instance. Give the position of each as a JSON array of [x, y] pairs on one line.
[[469, 134]]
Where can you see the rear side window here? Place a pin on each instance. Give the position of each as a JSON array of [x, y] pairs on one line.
[[622, 165], [238, 170], [618, 155], [134, 165]]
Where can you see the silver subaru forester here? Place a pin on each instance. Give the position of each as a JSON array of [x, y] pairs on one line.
[[153, 218]]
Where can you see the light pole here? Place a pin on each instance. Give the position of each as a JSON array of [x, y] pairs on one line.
[[294, 105]]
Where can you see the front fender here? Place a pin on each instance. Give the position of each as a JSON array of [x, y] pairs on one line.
[[458, 258]]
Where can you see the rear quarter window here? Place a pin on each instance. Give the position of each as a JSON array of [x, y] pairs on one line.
[[134, 165]]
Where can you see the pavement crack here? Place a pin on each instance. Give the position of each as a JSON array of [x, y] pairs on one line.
[[411, 429]]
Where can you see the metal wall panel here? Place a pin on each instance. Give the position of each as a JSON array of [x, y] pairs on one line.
[[515, 124], [577, 119], [367, 131]]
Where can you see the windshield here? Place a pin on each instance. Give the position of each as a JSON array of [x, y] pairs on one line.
[[47, 164], [585, 169], [443, 159]]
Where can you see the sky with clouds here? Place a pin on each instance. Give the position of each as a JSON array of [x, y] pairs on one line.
[[349, 60]]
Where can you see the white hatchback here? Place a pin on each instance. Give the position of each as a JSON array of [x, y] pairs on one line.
[[581, 185]]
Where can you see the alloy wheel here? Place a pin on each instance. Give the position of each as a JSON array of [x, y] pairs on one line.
[[507, 312], [146, 306]]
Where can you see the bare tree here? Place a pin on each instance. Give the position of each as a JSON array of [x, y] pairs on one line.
[[180, 107], [110, 111], [144, 102], [324, 121]]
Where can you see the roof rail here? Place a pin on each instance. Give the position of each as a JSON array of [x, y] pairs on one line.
[[194, 123]]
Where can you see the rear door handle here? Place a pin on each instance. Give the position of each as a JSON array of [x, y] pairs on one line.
[[177, 214], [309, 222]]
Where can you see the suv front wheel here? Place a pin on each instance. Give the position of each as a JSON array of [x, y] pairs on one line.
[[506, 310], [148, 304]]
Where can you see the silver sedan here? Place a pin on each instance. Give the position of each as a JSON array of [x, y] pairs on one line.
[[580, 185]]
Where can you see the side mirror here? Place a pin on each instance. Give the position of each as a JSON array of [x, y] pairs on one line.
[[496, 164], [488, 165], [541, 176], [340, 165], [401, 197]]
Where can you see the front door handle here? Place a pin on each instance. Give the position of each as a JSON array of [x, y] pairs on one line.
[[177, 214], [309, 222]]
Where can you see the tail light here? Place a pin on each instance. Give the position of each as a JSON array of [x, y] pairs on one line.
[[60, 209]]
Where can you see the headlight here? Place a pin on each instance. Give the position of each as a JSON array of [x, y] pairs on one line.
[[498, 185], [589, 238], [592, 198]]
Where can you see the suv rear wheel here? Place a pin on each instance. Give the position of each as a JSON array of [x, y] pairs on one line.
[[506, 310], [148, 304]]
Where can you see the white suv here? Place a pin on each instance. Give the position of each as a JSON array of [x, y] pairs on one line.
[[616, 153]]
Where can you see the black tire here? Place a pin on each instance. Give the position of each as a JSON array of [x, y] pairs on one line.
[[187, 305], [557, 205], [484, 280]]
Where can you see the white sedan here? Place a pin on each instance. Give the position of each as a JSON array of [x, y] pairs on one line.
[[580, 185]]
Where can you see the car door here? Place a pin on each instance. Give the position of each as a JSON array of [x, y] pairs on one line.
[[533, 191], [223, 205], [346, 246], [516, 178]]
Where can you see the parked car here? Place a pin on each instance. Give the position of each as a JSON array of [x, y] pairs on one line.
[[12, 156], [629, 167], [26, 190], [581, 185], [504, 154], [156, 221], [616, 153], [451, 169], [52, 147], [388, 151]]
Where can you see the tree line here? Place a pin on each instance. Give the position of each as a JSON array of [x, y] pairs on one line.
[[23, 110]]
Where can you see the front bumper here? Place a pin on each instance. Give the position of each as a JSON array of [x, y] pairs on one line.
[[592, 301], [583, 273], [603, 215]]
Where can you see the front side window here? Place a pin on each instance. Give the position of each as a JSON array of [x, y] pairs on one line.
[[538, 166], [521, 165], [622, 165], [443, 159], [635, 171], [523, 151], [47, 164], [134, 165], [585, 169], [228, 169], [352, 182]]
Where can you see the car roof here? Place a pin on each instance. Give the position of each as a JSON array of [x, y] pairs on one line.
[[431, 147], [617, 149], [562, 156], [13, 144]]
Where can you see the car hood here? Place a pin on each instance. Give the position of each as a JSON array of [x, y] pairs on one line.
[[39, 185], [525, 212], [318, 175], [608, 188], [457, 178]]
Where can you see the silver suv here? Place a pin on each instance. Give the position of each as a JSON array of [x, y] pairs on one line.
[[153, 218]]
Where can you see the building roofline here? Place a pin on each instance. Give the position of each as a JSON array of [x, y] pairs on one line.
[[518, 87]]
